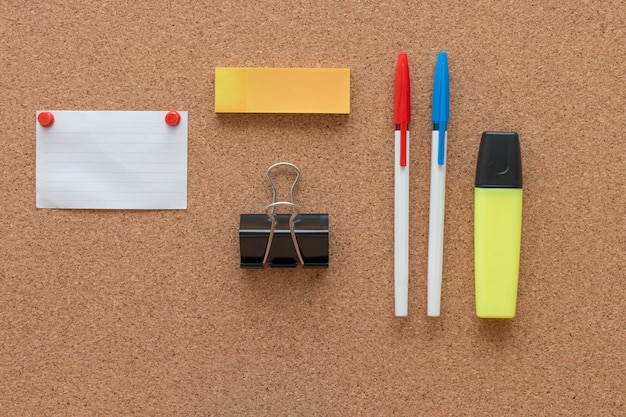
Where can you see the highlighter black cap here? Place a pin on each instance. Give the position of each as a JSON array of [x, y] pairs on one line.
[[499, 161]]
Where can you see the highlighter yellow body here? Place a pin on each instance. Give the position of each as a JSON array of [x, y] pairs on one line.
[[497, 236]]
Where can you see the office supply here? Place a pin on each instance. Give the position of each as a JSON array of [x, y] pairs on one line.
[[497, 224], [172, 118], [45, 118], [441, 115], [111, 160], [402, 118], [283, 240], [282, 90]]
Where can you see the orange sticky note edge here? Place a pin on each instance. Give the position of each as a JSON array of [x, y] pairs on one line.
[[282, 90]]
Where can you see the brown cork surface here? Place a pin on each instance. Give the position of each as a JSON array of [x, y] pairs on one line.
[[148, 313]]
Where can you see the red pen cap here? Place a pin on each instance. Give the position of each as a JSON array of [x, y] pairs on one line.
[[402, 105]]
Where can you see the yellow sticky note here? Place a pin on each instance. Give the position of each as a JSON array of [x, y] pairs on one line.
[[282, 90]]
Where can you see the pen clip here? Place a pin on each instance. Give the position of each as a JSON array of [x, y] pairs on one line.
[[403, 130], [441, 147]]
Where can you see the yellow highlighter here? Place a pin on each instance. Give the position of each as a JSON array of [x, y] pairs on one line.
[[497, 224]]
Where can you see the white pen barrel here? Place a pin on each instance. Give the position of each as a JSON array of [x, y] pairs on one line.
[[401, 229], [435, 228]]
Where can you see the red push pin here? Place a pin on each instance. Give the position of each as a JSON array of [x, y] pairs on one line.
[[172, 118], [45, 118]]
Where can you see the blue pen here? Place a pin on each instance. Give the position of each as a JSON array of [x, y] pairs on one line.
[[441, 115]]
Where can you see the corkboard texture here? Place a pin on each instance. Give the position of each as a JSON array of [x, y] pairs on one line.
[[148, 313]]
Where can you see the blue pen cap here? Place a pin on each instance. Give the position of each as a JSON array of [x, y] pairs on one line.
[[441, 90], [441, 103]]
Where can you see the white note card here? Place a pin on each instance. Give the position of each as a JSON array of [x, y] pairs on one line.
[[112, 160]]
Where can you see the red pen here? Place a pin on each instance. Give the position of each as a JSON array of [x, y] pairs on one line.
[[402, 118]]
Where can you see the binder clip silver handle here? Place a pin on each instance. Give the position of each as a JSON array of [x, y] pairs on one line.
[[295, 181], [269, 210]]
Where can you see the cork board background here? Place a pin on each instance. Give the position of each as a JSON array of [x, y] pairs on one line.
[[148, 313]]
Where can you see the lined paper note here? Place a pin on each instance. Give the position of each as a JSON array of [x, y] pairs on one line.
[[112, 160]]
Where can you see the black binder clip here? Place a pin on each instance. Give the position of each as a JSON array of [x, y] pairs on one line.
[[283, 240]]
